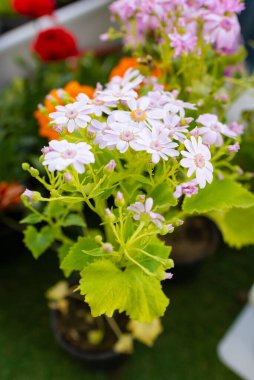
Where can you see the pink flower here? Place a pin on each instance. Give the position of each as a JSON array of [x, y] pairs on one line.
[[187, 188], [145, 210], [176, 131], [182, 43], [213, 130], [234, 148], [223, 32], [65, 154], [197, 159], [236, 128]]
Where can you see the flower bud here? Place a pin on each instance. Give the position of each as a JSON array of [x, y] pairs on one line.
[[68, 177], [179, 222], [110, 167], [25, 166], [141, 198], [107, 247], [119, 200], [166, 229], [168, 276], [109, 215], [34, 172], [98, 239]]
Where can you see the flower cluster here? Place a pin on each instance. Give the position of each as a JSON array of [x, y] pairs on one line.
[[154, 124], [181, 23]]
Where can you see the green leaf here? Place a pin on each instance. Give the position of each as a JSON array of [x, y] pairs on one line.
[[38, 241], [63, 251], [159, 250], [73, 220], [55, 209], [108, 288], [162, 195], [220, 195], [237, 226], [77, 258], [31, 219]]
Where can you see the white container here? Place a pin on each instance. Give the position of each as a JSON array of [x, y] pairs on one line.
[[236, 350], [87, 19]]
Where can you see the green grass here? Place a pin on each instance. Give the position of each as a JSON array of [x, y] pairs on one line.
[[200, 312]]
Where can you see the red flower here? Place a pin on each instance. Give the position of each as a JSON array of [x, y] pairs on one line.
[[55, 44], [34, 8]]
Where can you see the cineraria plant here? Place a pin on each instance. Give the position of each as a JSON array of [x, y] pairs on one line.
[[141, 163]]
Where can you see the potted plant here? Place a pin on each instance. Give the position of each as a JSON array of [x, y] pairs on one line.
[[141, 157]]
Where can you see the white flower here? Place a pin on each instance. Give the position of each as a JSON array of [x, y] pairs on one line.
[[144, 209], [176, 131], [120, 136], [139, 112], [213, 130], [177, 106], [96, 106], [121, 89], [64, 154], [157, 98], [157, 143], [72, 116], [197, 159], [98, 129]]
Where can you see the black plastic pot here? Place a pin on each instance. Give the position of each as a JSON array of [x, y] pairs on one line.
[[101, 360], [192, 243]]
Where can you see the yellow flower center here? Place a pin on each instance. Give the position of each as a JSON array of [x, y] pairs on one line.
[[138, 115]]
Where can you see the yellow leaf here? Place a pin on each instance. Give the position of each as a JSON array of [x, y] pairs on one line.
[[146, 332]]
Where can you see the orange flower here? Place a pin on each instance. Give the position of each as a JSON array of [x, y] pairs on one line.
[[10, 194], [73, 88], [124, 64], [52, 100]]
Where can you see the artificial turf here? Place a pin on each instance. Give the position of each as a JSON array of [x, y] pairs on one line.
[[200, 312]]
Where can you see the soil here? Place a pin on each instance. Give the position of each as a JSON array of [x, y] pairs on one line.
[[75, 325], [196, 239]]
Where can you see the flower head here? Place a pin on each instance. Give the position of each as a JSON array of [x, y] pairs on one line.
[[72, 116], [145, 210], [64, 154], [55, 44], [157, 143], [34, 8], [197, 160], [188, 188], [213, 130]]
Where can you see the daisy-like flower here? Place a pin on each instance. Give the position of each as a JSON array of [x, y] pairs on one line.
[[72, 116], [99, 129], [121, 89], [139, 113], [175, 130], [175, 105], [157, 143], [96, 106], [64, 154], [144, 210], [213, 130], [120, 136], [197, 160]]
